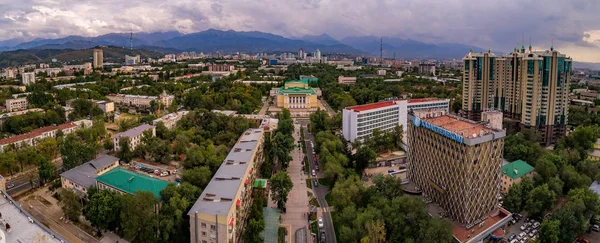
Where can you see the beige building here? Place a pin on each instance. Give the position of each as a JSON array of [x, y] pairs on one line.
[[531, 86], [170, 120], [82, 177], [17, 104], [31, 138], [28, 78], [220, 214], [98, 58], [513, 173], [134, 135], [296, 94], [105, 106], [141, 101], [346, 80]]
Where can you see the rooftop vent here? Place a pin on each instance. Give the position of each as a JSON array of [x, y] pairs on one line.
[[516, 172]]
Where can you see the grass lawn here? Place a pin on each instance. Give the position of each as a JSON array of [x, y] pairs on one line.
[[312, 200]]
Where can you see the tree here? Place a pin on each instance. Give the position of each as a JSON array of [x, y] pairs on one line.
[[197, 176], [549, 231], [75, 151], [138, 216], [573, 180], [281, 185], [347, 192], [376, 232], [8, 162], [514, 198], [539, 200], [397, 136], [46, 169], [545, 168], [254, 228], [48, 148], [363, 157], [124, 153], [103, 209], [173, 220], [70, 204], [319, 121]]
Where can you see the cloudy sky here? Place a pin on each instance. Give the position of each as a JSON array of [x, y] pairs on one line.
[[574, 25]]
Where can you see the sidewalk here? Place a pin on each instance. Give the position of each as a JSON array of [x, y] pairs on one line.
[[297, 204]]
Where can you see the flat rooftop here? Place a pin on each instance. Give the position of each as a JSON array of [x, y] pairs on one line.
[[22, 229], [490, 225], [425, 100], [218, 196], [134, 132], [131, 182], [366, 107], [468, 129]]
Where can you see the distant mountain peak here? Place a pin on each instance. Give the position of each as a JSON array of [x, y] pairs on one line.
[[323, 39]]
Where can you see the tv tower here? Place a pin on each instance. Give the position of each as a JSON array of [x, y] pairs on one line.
[[131, 38], [381, 52]]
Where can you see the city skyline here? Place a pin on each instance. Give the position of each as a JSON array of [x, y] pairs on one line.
[[487, 24]]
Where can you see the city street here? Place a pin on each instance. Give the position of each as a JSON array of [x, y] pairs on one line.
[[297, 203], [24, 182], [320, 193]]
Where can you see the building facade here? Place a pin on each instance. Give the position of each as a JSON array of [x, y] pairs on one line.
[[82, 177], [33, 137], [132, 60], [427, 68], [297, 94], [456, 163], [133, 135], [17, 104], [141, 101], [170, 120], [529, 86], [220, 214], [28, 78], [98, 58], [346, 80], [359, 121], [513, 173]]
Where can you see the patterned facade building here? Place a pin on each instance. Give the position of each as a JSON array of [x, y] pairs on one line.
[[456, 163], [526, 85]]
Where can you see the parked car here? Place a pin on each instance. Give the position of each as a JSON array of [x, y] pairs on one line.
[[320, 222], [178, 179], [323, 237], [512, 237], [164, 173], [583, 240], [596, 228], [523, 227], [532, 233], [314, 173]]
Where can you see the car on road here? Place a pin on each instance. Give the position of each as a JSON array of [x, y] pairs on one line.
[[10, 186], [320, 222], [315, 183], [323, 237], [314, 173]]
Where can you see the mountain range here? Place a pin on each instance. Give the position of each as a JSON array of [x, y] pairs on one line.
[[230, 41]]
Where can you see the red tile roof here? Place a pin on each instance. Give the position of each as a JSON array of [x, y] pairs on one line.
[[422, 100], [366, 107], [35, 133]]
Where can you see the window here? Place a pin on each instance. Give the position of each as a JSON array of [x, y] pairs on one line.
[[203, 241], [212, 227], [204, 225], [203, 233]]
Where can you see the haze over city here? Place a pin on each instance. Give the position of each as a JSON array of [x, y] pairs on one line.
[[497, 25]]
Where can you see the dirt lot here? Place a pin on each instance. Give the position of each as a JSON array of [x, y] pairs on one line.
[[372, 172]]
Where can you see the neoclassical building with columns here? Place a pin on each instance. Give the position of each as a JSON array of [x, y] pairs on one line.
[[297, 94]]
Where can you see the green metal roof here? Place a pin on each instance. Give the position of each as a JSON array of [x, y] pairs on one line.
[[296, 90], [516, 169], [309, 79], [131, 182]]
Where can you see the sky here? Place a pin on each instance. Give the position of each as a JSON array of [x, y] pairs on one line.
[[573, 26]]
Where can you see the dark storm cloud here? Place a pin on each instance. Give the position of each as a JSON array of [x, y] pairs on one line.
[[500, 25]]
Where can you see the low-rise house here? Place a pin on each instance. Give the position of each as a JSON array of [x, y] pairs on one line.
[[513, 173], [82, 177], [170, 120], [31, 138], [134, 135]]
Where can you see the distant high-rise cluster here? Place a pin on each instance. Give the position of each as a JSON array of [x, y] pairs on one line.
[[527, 85], [98, 58]]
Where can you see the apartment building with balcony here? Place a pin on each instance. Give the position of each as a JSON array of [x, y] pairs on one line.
[[134, 136], [220, 214]]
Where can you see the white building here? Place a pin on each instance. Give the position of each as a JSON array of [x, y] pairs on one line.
[[28, 78], [132, 60], [359, 121], [142, 101], [135, 136], [170, 120], [17, 104]]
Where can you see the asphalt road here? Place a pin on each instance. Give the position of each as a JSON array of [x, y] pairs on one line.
[[25, 182], [320, 193]]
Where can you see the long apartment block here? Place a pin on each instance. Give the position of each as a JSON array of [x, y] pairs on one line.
[[219, 215], [360, 121], [529, 86]]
